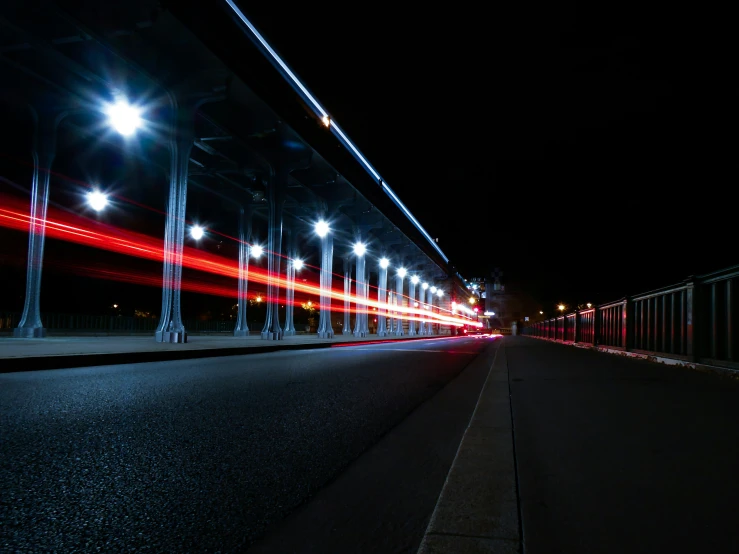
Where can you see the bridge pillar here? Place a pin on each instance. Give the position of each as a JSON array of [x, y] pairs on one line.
[[241, 329], [44, 147], [430, 297], [381, 301], [361, 328], [422, 328], [411, 300], [347, 329], [171, 328], [290, 284], [398, 302], [276, 198], [325, 330]]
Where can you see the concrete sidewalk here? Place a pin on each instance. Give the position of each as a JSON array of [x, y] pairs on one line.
[[65, 352], [477, 511]]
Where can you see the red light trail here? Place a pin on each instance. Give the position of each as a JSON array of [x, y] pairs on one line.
[[72, 228]]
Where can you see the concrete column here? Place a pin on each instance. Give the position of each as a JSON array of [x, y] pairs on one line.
[[399, 302], [423, 328], [325, 331], [290, 282], [381, 299], [43, 151], [347, 329], [360, 323], [430, 302], [171, 328], [411, 300], [241, 329], [276, 200]]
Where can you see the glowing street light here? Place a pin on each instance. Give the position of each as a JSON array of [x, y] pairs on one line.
[[589, 305], [322, 229], [541, 313], [472, 300], [256, 250], [359, 249], [97, 200], [384, 263], [402, 272], [124, 117], [440, 293], [561, 307], [298, 264], [433, 290], [196, 232], [424, 286], [415, 279]]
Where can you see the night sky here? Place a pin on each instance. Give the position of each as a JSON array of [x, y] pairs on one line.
[[577, 150], [581, 152]]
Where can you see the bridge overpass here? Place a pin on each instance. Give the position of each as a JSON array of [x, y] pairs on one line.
[[156, 128]]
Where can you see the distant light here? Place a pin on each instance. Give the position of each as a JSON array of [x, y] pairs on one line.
[[415, 279], [196, 232], [115, 305], [322, 228], [124, 117], [425, 286], [326, 121], [402, 272], [298, 264], [589, 305], [561, 307], [360, 249], [97, 200], [256, 250], [259, 298], [440, 293], [433, 290], [472, 299], [474, 287], [488, 313], [415, 304], [541, 313], [384, 262]]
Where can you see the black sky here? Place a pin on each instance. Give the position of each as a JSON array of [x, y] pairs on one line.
[[576, 148]]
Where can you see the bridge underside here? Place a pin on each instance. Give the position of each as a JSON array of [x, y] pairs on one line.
[[225, 142]]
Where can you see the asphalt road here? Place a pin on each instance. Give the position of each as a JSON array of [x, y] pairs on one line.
[[210, 455], [616, 455]]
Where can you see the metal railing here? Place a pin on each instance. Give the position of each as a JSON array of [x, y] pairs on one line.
[[694, 321]]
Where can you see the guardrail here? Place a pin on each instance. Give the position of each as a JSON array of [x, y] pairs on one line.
[[694, 321]]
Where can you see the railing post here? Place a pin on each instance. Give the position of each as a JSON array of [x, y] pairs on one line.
[[596, 326], [576, 337], [690, 320], [627, 325]]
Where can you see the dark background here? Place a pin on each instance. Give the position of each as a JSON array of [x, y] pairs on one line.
[[582, 152], [579, 149]]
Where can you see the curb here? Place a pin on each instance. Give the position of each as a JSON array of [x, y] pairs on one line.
[[478, 509], [65, 361]]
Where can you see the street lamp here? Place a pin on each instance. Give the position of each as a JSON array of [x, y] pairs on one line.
[[384, 263], [361, 326], [256, 250], [298, 264], [322, 228], [589, 305], [97, 200], [359, 249], [196, 232], [402, 272], [561, 307], [124, 117], [415, 279]]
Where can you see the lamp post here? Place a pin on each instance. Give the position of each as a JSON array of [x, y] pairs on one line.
[[293, 265], [381, 297], [325, 330], [241, 328], [440, 294]]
